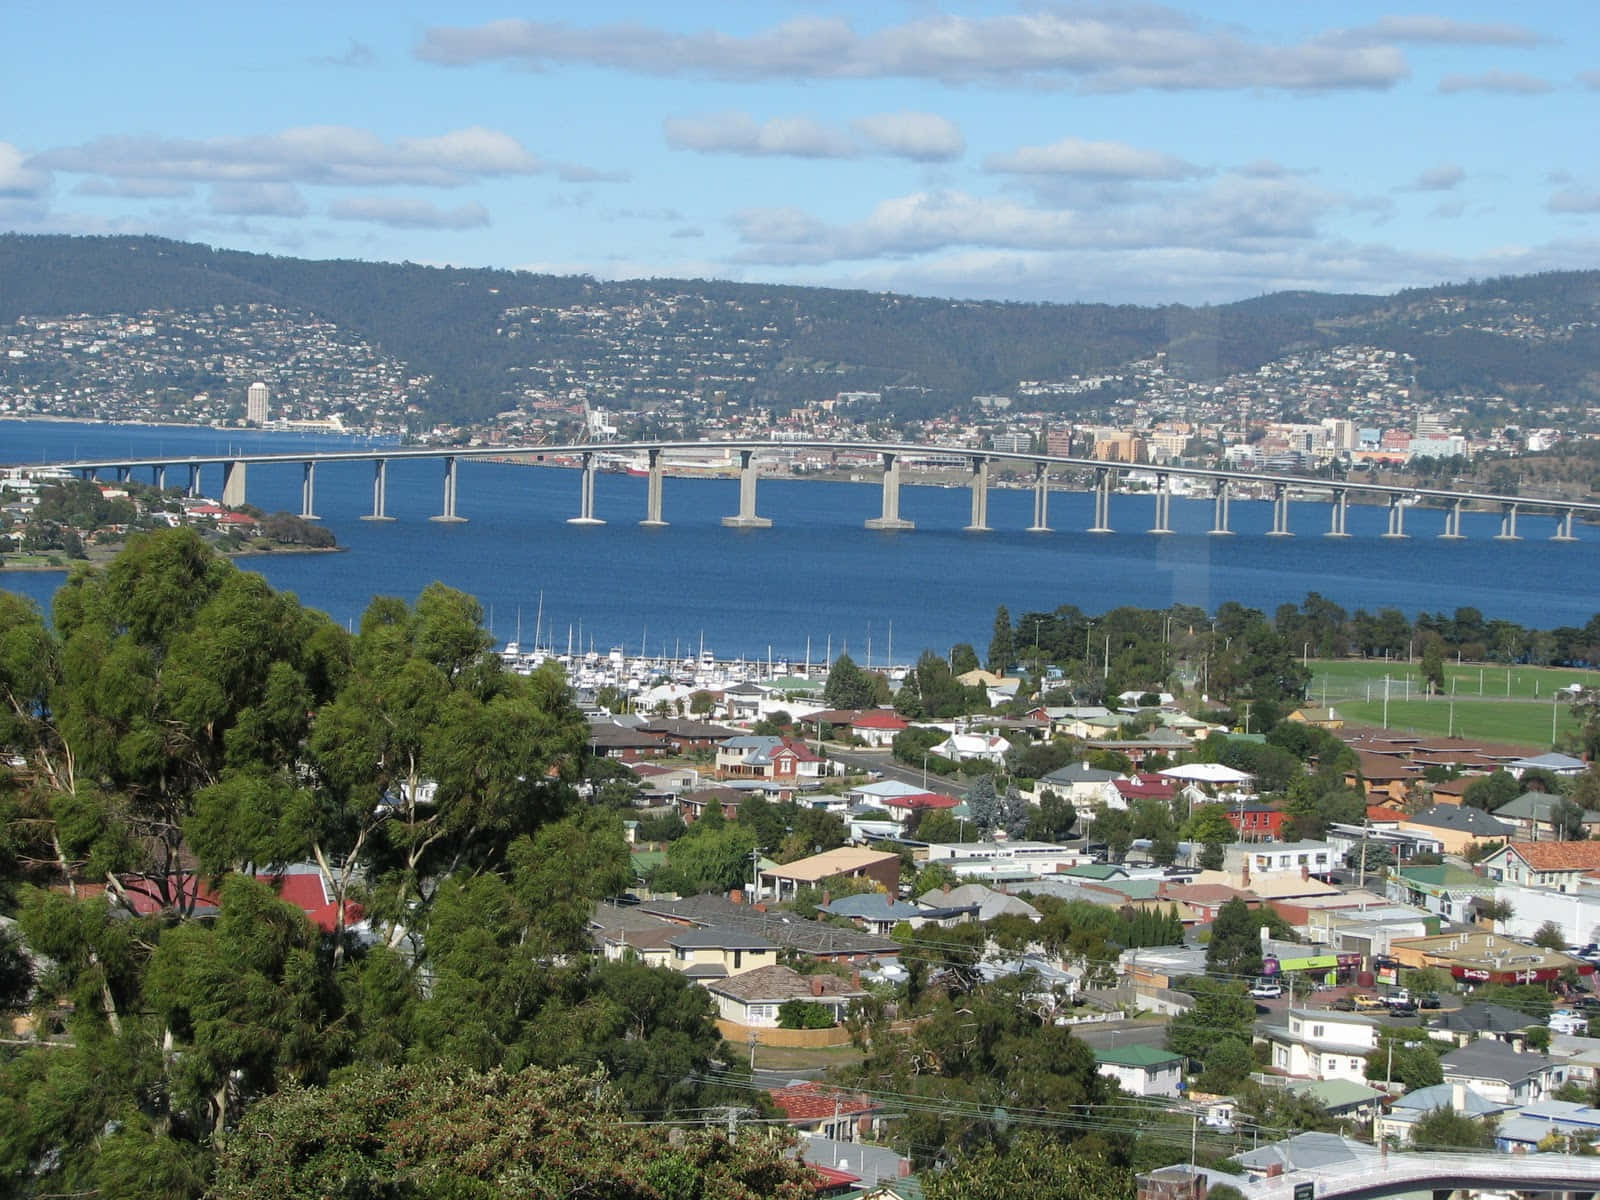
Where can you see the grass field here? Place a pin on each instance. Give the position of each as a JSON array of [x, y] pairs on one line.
[[1490, 703]]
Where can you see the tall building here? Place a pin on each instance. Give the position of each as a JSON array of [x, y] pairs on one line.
[[255, 403]]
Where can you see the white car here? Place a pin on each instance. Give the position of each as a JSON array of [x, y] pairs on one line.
[[1266, 990]]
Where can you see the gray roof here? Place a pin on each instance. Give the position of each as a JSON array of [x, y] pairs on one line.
[[1489, 1059], [1537, 806], [873, 906], [1442, 1095], [777, 984], [1308, 1151], [1483, 1018], [1460, 818], [720, 938], [1550, 762], [785, 930], [1080, 772]]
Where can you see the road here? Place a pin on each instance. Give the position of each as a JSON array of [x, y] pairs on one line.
[[882, 763]]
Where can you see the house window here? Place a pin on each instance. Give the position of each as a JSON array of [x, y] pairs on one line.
[[1356, 1064], [738, 959], [1317, 1031], [761, 1012]]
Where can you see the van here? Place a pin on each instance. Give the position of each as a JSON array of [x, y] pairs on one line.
[[1568, 1022]]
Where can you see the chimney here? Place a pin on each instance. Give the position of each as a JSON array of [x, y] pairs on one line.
[[1305, 872], [855, 980], [1458, 1097], [816, 985], [1244, 874], [736, 896], [827, 898]]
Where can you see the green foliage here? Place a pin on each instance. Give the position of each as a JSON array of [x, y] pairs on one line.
[[1550, 936], [984, 804], [1235, 946], [1446, 1129], [805, 1014], [1492, 791], [1223, 1013], [1414, 1061], [469, 1134], [1002, 645], [1532, 999], [1031, 1167], [848, 686], [708, 859]]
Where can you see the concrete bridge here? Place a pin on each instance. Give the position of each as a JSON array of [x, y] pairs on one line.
[[890, 456], [1397, 1174]]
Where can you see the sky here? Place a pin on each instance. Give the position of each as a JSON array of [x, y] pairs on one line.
[[1127, 153]]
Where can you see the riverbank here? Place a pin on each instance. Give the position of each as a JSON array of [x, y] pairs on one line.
[[95, 556]]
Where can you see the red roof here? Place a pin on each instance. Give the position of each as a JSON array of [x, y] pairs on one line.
[[920, 800], [1146, 785], [880, 718], [1377, 812], [831, 1177], [1558, 856], [814, 1102]]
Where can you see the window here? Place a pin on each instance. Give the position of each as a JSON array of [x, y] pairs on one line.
[[1318, 1031], [1356, 1064]]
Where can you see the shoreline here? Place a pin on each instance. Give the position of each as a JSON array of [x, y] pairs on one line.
[[105, 554]]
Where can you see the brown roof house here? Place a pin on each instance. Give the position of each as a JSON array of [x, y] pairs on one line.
[[751, 1000]]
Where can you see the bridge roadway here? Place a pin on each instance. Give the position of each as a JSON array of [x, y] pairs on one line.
[[891, 454], [1397, 1174]]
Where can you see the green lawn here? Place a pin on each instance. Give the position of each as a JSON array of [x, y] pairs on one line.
[[1482, 709]]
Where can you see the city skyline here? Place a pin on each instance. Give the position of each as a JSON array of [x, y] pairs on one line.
[[1198, 154]]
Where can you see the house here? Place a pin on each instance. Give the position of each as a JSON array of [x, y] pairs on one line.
[[752, 999], [687, 736], [761, 756], [879, 727], [1322, 718], [1556, 764], [607, 739], [1407, 1110], [878, 913], [712, 953], [1457, 826], [1500, 1074], [1557, 865], [1479, 957], [974, 747], [1142, 1070], [852, 862], [1473, 1021], [693, 805], [1383, 776], [1308, 1152], [1341, 1098], [1534, 815], [1445, 891], [810, 939], [987, 903], [1323, 1044], [1280, 859], [1145, 786], [815, 1108], [1079, 784], [1255, 822], [1529, 1129]]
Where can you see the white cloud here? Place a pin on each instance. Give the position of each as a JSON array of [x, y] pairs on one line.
[[734, 132], [1509, 83], [134, 189], [1435, 30], [403, 213], [19, 178], [258, 200], [1440, 178], [1108, 49], [921, 136], [1094, 160], [1590, 80], [316, 154]]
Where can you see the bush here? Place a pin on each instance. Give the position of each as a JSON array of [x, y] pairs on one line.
[[805, 1014]]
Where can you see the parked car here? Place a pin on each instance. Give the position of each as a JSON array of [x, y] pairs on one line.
[[1266, 989], [1398, 996], [1367, 1002], [1343, 1004], [1402, 1008], [1430, 1000], [1568, 1022]]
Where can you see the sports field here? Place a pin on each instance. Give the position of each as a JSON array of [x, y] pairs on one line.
[[1491, 703]]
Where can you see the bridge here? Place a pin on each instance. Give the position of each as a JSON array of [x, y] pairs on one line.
[[589, 458], [1396, 1174]]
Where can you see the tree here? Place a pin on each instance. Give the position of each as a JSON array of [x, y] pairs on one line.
[[1030, 1167], [710, 860], [1015, 813], [1492, 791], [984, 805], [1235, 946], [1401, 1057], [963, 658], [1114, 827], [1550, 936], [1053, 818], [1446, 1129], [1002, 644], [1432, 666], [469, 1134], [1222, 1012], [847, 686]]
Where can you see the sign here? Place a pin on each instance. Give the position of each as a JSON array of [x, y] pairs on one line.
[[1305, 1191]]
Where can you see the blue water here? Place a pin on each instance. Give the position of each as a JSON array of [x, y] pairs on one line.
[[817, 573]]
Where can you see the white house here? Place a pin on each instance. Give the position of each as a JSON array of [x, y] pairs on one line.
[[1141, 1070], [1323, 1044], [974, 747]]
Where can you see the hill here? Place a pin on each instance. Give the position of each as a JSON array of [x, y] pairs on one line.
[[483, 340]]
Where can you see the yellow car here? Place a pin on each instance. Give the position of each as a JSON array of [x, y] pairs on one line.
[[1366, 1002]]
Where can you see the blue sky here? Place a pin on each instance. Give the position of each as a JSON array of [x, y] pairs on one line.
[[1128, 153]]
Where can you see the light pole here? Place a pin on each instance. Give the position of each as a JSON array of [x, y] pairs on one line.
[[924, 771]]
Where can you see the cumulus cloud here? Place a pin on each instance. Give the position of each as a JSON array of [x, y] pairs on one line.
[[1572, 200], [1109, 49], [1440, 178], [19, 177], [258, 199], [1094, 160], [734, 132], [315, 154], [922, 136], [1510, 83], [1433, 30], [404, 213]]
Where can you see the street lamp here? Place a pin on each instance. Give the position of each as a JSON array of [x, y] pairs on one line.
[[924, 771]]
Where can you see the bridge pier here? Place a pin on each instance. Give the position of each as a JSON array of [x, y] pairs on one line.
[[380, 491], [1397, 519], [308, 492], [1163, 504], [1564, 528], [1508, 524], [158, 476], [1104, 477], [1338, 513], [980, 496], [193, 490], [586, 495], [1280, 512], [652, 495], [1220, 514], [748, 474], [1041, 500], [123, 474], [1452, 523], [449, 513], [233, 483], [891, 518]]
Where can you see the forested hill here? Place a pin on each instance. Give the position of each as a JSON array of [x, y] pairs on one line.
[[485, 338]]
